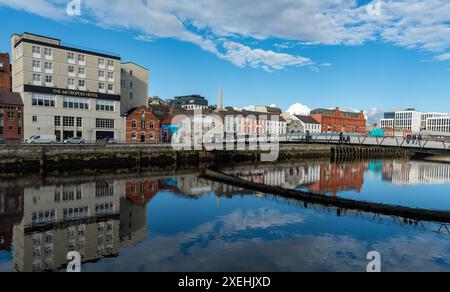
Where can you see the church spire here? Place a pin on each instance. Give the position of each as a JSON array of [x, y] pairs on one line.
[[220, 105]]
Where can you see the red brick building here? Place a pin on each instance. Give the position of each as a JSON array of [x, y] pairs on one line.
[[142, 126], [337, 121], [11, 105]]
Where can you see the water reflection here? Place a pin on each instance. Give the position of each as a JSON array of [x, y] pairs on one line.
[[103, 217]]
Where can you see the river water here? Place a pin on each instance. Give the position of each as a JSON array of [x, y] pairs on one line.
[[176, 221]]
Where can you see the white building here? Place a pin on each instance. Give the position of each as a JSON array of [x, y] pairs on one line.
[[67, 92], [410, 120], [439, 126], [310, 125]]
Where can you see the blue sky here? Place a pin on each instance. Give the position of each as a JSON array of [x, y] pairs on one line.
[[325, 54]]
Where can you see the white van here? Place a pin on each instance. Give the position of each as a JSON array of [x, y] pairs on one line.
[[42, 139]]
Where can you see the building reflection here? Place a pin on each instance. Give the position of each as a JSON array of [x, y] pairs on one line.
[[415, 172], [100, 217]]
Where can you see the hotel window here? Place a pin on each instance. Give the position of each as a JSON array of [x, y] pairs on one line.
[[71, 83], [36, 51], [79, 122], [81, 83], [68, 121], [110, 64], [110, 87], [101, 87], [36, 78], [48, 66], [105, 105], [57, 121], [104, 123], [75, 103], [101, 62], [81, 58], [110, 75], [48, 53], [71, 57], [82, 72], [36, 65], [71, 70], [49, 80], [43, 100], [101, 75]]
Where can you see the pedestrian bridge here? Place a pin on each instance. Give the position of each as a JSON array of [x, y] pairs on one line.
[[432, 146]]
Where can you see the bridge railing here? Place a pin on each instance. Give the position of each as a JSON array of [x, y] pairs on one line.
[[354, 139]]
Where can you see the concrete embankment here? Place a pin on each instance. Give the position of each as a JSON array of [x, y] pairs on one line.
[[32, 159]]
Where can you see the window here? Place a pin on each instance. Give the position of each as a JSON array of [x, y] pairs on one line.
[[104, 123], [151, 136], [101, 62], [152, 125], [43, 100], [81, 83], [11, 117], [71, 70], [110, 63], [133, 136], [143, 124], [68, 121], [79, 122], [48, 66], [105, 105], [131, 95], [131, 72], [71, 82], [36, 65], [81, 58], [36, 78], [35, 119], [36, 50], [101, 74], [48, 79], [48, 52], [57, 121], [76, 103], [81, 71], [133, 124], [131, 84], [71, 57], [110, 75], [110, 87], [101, 86]]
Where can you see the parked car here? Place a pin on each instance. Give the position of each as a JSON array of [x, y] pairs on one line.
[[111, 141], [75, 140], [2, 141], [44, 139]]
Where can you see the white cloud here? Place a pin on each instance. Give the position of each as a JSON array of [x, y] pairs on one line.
[[244, 56], [216, 25], [373, 115], [299, 109]]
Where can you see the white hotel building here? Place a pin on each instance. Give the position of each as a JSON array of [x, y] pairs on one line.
[[68, 92]]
